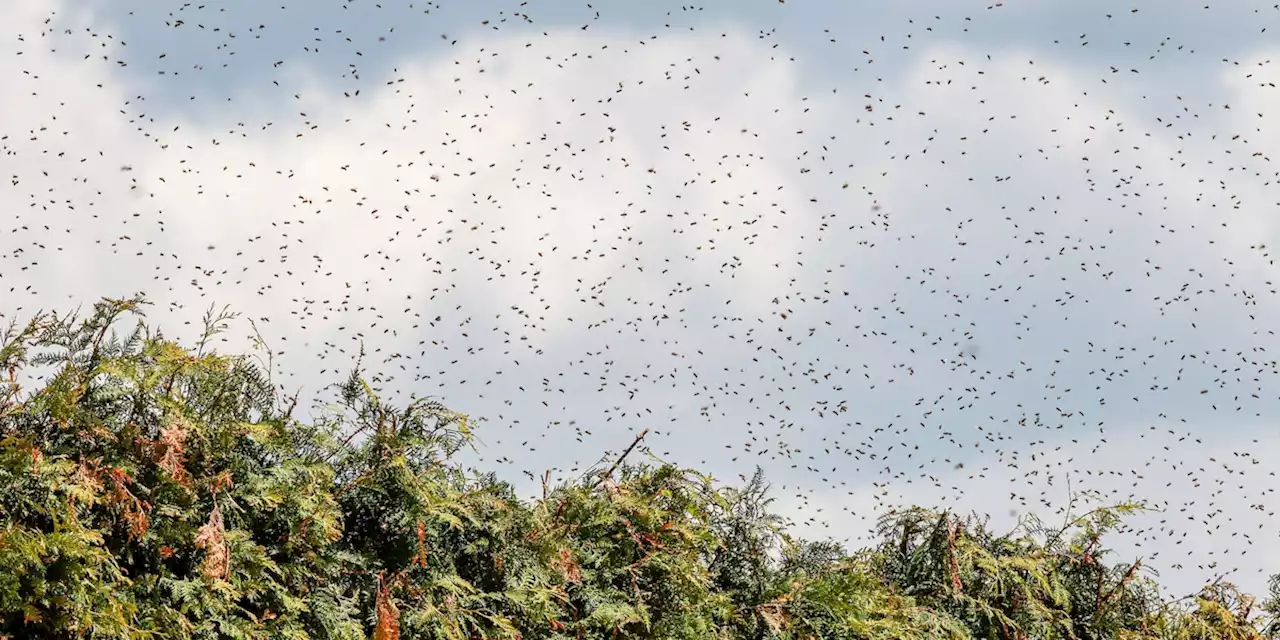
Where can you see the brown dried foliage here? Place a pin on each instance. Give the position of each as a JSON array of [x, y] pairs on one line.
[[954, 563], [170, 449], [567, 566], [420, 558], [131, 507], [221, 482], [212, 538], [388, 627], [775, 615]]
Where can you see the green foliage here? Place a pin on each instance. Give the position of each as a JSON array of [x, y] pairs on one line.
[[153, 491]]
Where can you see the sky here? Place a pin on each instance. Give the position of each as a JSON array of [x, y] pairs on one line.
[[958, 254]]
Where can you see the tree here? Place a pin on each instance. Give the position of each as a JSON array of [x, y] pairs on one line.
[[151, 490]]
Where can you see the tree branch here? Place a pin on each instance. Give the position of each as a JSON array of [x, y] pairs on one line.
[[608, 472]]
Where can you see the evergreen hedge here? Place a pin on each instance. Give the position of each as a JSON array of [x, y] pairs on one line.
[[154, 490]]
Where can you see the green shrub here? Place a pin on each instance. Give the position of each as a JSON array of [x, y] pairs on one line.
[[149, 490]]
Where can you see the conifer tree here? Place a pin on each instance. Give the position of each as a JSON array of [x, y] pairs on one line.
[[154, 490]]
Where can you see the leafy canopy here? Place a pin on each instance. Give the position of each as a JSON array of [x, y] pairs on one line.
[[154, 490]]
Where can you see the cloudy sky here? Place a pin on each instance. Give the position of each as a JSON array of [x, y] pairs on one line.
[[938, 252]]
